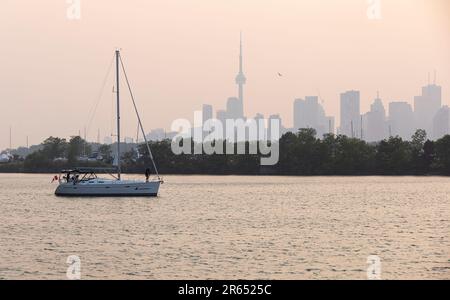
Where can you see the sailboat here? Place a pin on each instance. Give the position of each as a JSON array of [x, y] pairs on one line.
[[85, 181]]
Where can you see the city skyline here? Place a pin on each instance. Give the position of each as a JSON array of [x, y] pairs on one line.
[[192, 62], [401, 119]]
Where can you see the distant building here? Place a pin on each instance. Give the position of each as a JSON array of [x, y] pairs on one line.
[[241, 80], [128, 140], [157, 134], [309, 113], [426, 106], [234, 110], [350, 114], [401, 120], [107, 140], [376, 126], [207, 113], [441, 123], [221, 115], [235, 105], [305, 113]]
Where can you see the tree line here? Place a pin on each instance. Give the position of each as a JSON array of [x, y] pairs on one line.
[[301, 153]]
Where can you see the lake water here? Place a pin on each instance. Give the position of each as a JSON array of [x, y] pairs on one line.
[[230, 227]]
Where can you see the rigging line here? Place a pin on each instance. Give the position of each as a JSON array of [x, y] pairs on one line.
[[94, 109], [138, 117], [137, 134], [112, 112]]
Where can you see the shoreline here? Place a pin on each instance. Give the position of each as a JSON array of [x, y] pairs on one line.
[[252, 175]]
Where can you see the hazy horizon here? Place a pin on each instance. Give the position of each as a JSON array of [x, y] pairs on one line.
[[182, 54]]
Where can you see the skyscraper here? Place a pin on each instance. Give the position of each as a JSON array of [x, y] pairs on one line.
[[240, 81], [350, 114], [376, 122], [207, 113], [426, 106], [441, 122], [234, 108], [221, 115], [299, 114], [401, 120], [306, 113], [309, 113]]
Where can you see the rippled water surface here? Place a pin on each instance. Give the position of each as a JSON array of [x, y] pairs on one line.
[[230, 227]]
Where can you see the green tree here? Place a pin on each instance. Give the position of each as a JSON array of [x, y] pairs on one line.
[[77, 147], [106, 153], [54, 147], [428, 157], [328, 146], [393, 157], [353, 156], [308, 156], [417, 143], [418, 139], [442, 148]]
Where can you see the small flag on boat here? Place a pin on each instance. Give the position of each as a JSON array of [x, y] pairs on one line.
[[55, 178]]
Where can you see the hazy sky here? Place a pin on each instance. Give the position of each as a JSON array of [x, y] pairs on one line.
[[183, 53]]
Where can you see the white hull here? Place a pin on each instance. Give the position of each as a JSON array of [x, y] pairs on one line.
[[106, 188]]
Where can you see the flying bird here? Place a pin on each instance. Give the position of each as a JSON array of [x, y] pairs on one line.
[[279, 74]]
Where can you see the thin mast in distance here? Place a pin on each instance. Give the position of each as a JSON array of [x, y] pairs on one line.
[[118, 114]]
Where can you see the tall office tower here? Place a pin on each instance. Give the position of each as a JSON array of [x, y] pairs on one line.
[[299, 114], [157, 134], [376, 122], [207, 113], [441, 123], [350, 114], [426, 106], [309, 113], [221, 115], [234, 108], [306, 112], [401, 120], [240, 81]]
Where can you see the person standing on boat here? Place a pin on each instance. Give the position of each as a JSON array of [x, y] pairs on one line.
[[147, 174]]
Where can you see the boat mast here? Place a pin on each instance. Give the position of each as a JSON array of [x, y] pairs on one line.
[[118, 113]]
